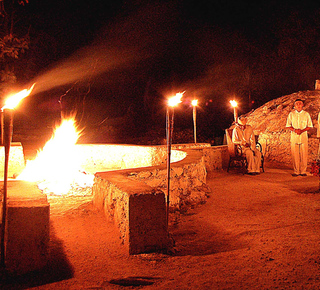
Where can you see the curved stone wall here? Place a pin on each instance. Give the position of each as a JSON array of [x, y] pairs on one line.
[[100, 157], [136, 198], [187, 182]]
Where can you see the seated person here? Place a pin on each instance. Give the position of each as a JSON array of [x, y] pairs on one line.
[[243, 135]]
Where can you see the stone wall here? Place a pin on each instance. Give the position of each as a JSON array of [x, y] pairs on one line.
[[187, 180], [135, 199], [100, 157], [276, 147], [188, 176]]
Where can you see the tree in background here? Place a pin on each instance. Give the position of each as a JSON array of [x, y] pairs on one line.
[[11, 44]]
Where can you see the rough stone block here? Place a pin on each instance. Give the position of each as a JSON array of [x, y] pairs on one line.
[[16, 160], [216, 157], [147, 222], [136, 198], [27, 230], [138, 210]]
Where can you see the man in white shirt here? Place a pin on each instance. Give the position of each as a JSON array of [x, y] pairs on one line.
[[299, 122], [243, 135], [318, 135]]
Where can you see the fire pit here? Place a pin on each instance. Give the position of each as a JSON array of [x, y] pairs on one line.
[[137, 175]]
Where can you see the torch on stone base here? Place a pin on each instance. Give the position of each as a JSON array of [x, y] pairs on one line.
[[6, 136]]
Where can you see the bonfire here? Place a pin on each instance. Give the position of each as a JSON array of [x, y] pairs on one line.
[[57, 167]]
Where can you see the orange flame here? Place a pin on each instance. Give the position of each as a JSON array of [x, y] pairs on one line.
[[234, 103], [173, 101], [57, 167], [194, 103], [13, 100]]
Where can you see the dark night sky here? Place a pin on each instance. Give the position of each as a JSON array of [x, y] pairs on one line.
[[131, 55]]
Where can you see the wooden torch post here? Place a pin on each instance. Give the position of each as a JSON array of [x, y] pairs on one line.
[[7, 137]]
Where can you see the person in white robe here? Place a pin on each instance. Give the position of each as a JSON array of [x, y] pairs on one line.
[[243, 135], [299, 123]]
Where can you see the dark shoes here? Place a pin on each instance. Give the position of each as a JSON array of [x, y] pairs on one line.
[[295, 175], [253, 173]]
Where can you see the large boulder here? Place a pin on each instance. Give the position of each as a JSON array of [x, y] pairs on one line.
[[269, 123]]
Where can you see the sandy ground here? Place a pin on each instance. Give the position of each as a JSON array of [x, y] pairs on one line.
[[254, 232]]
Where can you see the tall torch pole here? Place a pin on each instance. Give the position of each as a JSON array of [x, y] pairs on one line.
[[7, 128], [169, 142], [172, 102], [194, 104], [234, 104], [1, 122], [7, 137]]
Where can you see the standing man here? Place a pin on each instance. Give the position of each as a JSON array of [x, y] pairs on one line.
[[299, 122], [318, 135], [243, 135]]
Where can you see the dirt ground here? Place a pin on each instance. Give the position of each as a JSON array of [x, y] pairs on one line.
[[254, 232]]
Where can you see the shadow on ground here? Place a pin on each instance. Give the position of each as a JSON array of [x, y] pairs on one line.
[[57, 269], [133, 281], [203, 239]]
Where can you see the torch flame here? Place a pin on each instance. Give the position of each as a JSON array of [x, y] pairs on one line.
[[14, 100], [194, 103], [233, 103], [57, 167], [173, 101]]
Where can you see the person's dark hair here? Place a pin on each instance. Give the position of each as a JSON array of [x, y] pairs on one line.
[[298, 100]]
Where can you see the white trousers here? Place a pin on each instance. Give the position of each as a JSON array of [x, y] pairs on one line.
[[253, 159], [299, 157]]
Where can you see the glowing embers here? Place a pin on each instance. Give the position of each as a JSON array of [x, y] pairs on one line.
[[57, 167]]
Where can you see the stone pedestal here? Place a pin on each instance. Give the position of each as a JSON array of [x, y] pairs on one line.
[[16, 160], [27, 230], [138, 210]]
